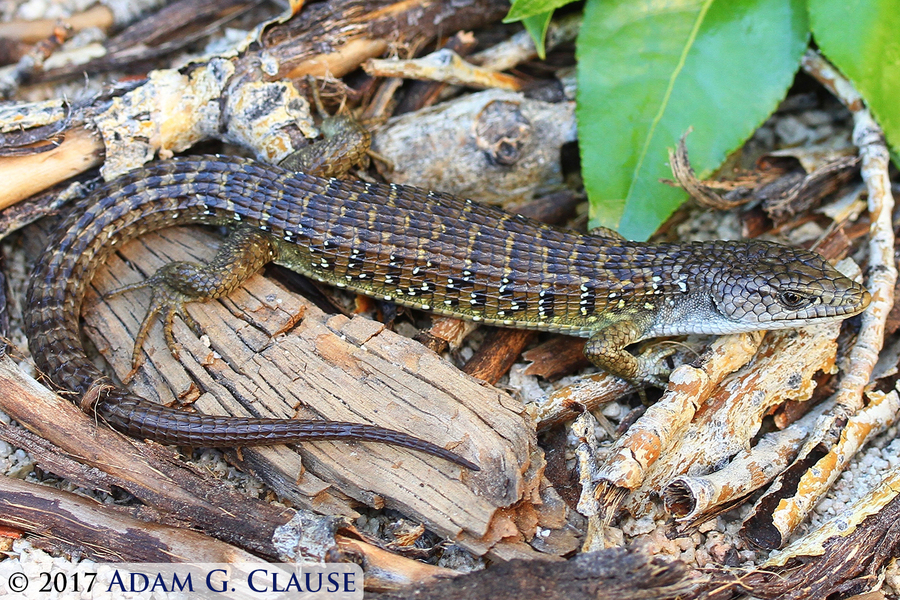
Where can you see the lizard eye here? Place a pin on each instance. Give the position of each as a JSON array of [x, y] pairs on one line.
[[793, 300]]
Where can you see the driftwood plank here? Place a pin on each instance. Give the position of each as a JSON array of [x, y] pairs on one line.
[[271, 353], [179, 493], [610, 574], [57, 518]]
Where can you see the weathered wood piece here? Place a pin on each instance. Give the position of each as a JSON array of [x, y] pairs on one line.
[[588, 393], [611, 574], [77, 153], [244, 97], [67, 522], [499, 351], [844, 557], [445, 333], [386, 571], [271, 353], [509, 150], [177, 493], [558, 356]]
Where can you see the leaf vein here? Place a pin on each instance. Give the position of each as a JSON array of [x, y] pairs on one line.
[[701, 15]]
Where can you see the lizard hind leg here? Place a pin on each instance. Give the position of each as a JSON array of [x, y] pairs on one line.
[[242, 254]]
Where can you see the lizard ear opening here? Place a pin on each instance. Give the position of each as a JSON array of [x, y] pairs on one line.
[[726, 308], [740, 303]]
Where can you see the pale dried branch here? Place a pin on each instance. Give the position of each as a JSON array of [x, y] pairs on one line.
[[782, 369], [656, 431], [520, 47], [693, 499], [875, 159], [39, 29], [445, 66], [769, 527], [831, 430]]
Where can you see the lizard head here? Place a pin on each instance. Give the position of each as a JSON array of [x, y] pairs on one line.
[[771, 286]]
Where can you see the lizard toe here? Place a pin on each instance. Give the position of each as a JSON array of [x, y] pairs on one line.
[[653, 368]]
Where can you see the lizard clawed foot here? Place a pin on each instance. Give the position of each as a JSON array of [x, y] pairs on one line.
[[653, 368], [244, 253], [167, 302]]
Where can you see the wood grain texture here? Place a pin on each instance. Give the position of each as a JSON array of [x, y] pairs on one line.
[[71, 444], [272, 353], [58, 518]]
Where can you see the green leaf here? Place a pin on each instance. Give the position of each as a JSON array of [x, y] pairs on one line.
[[650, 69], [536, 26], [861, 38], [528, 8]]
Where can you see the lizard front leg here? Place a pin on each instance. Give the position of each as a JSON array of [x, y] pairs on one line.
[[606, 349]]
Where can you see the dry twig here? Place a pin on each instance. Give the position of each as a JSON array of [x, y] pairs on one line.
[[821, 467]]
